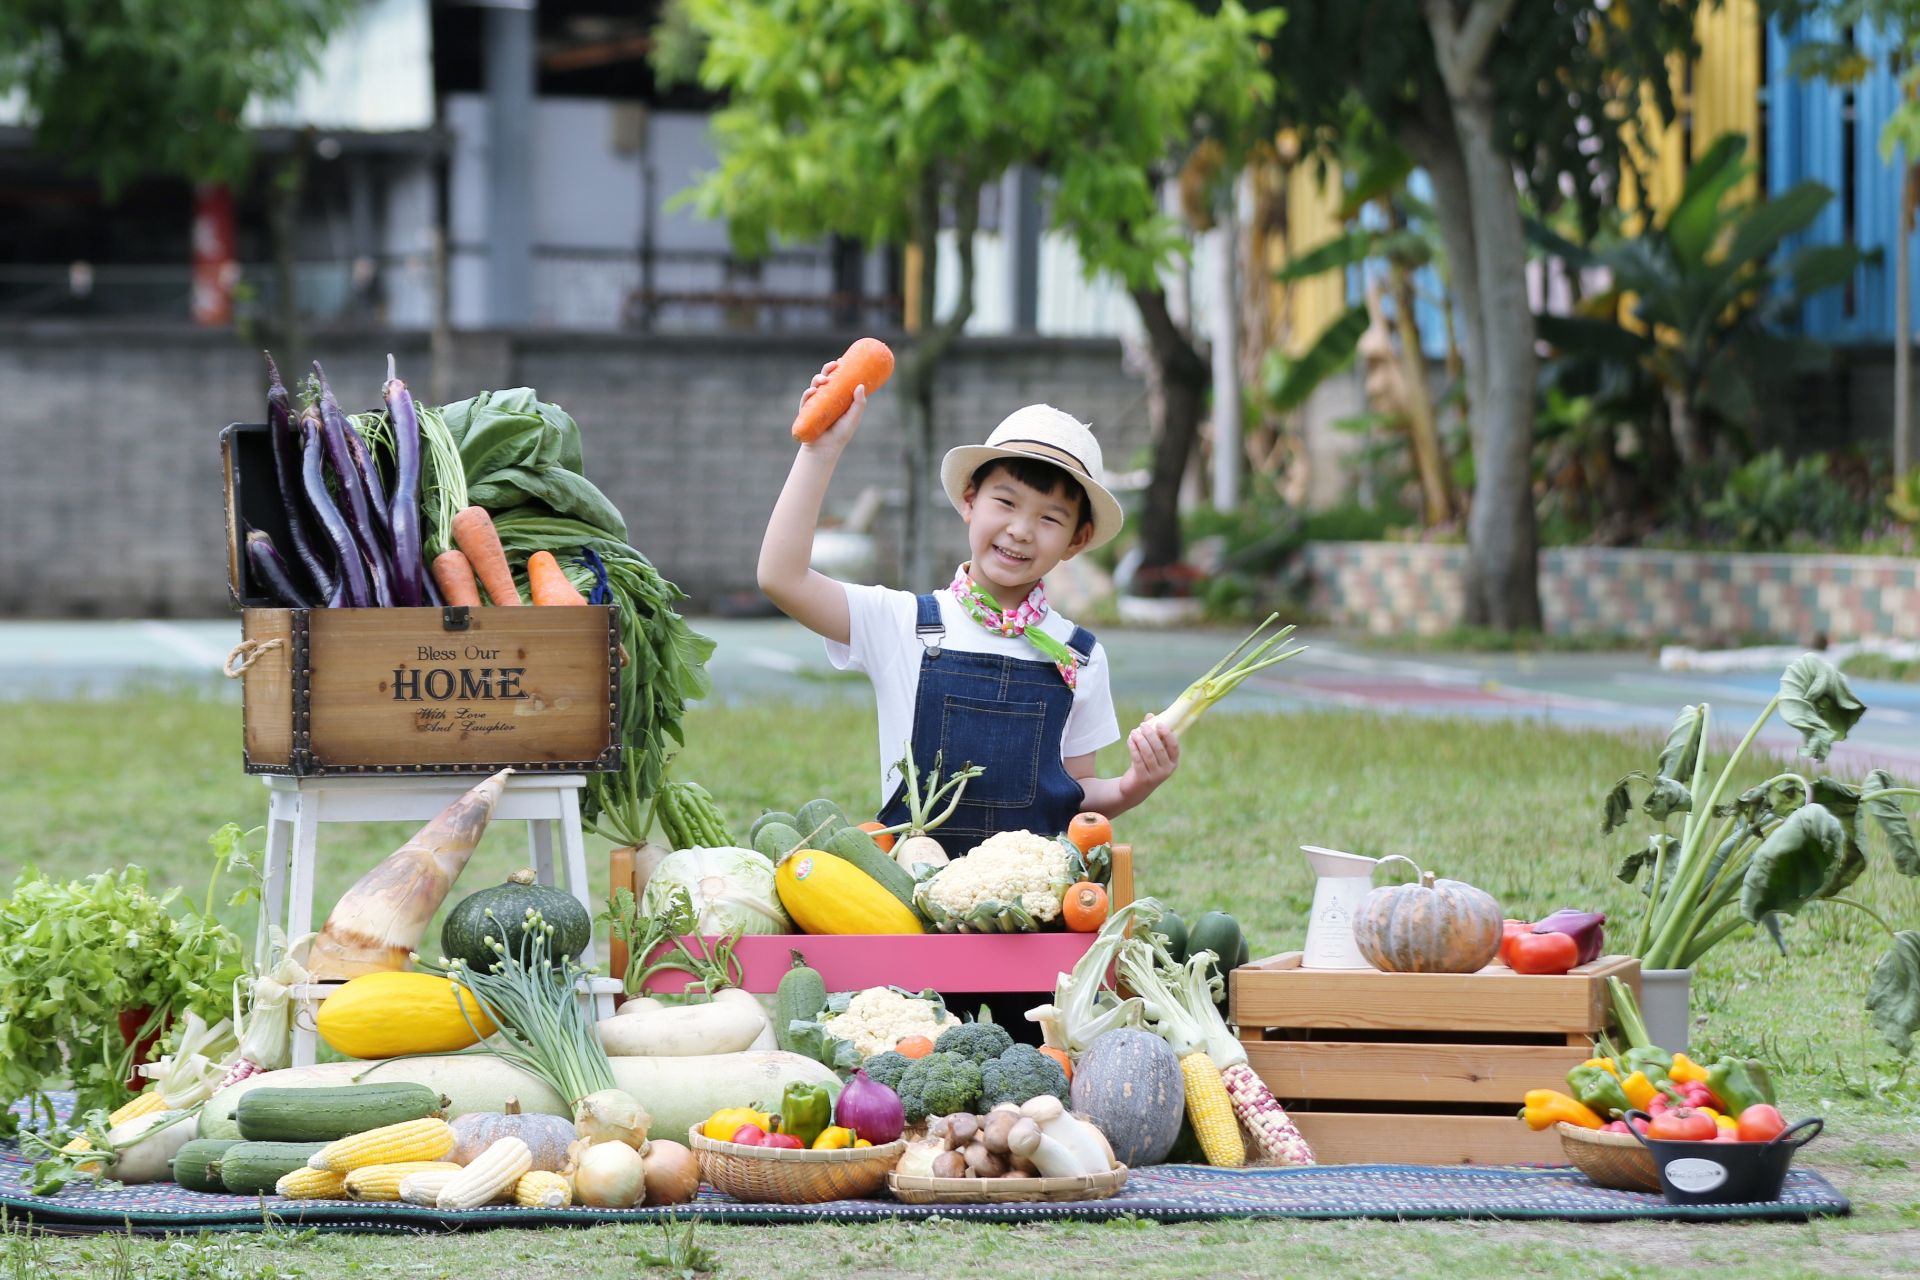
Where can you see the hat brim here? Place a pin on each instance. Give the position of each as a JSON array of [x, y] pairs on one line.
[[957, 469]]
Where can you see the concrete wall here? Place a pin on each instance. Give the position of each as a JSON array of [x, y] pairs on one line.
[[110, 486]]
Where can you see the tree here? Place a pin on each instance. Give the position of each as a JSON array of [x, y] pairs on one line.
[[123, 88], [1826, 49], [883, 118], [1491, 97]]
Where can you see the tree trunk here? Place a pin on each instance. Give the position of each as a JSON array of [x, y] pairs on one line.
[[1436, 498], [1434, 144], [920, 367], [1903, 329], [1183, 375], [1503, 589], [1228, 427], [1683, 423]]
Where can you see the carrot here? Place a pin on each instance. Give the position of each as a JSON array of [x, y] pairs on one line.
[[455, 577], [473, 531], [547, 582], [868, 363]]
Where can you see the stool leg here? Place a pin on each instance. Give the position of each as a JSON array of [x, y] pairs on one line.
[[306, 832], [273, 887], [573, 848], [540, 848]]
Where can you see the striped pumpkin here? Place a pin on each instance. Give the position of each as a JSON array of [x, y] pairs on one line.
[[1434, 926]]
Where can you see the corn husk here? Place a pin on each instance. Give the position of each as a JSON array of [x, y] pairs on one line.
[[380, 921]]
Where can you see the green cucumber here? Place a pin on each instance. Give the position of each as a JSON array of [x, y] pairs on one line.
[[776, 840], [321, 1115], [253, 1168], [857, 847], [818, 820], [801, 995], [769, 817], [196, 1165]]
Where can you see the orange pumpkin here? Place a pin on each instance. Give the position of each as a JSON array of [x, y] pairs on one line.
[[1432, 926]]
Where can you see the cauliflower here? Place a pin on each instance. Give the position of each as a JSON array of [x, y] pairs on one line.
[[878, 1018], [1012, 867]]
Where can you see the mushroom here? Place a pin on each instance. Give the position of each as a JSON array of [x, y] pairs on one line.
[[994, 1131], [1048, 1156], [1086, 1145], [950, 1164], [961, 1128], [984, 1163]]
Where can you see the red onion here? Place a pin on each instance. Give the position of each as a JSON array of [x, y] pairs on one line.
[[870, 1109]]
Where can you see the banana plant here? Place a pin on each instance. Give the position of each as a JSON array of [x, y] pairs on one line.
[[1772, 850]]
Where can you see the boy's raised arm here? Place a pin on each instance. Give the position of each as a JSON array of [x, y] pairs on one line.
[[786, 571]]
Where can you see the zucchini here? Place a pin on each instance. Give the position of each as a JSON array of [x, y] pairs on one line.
[[769, 817], [1218, 932], [818, 820], [776, 840], [1175, 930], [252, 1168], [196, 1167], [857, 847], [800, 997], [321, 1115]]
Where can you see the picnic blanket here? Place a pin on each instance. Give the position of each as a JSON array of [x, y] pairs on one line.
[[1169, 1193]]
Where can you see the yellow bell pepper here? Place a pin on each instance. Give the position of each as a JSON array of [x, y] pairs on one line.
[[834, 1138], [721, 1124], [1686, 1070], [1726, 1122], [1605, 1064], [1548, 1107], [1639, 1090], [862, 1142]]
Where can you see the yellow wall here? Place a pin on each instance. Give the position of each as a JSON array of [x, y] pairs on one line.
[[1723, 98], [1302, 311]]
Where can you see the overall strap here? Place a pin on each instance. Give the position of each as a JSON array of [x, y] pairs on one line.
[[927, 624], [1081, 642]]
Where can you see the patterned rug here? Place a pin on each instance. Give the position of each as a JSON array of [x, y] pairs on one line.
[[1169, 1193]]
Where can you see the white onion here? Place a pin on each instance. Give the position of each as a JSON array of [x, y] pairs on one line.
[[610, 1175], [612, 1115]]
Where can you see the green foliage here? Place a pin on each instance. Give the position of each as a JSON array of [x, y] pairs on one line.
[[939, 1084], [838, 113], [122, 88], [1768, 502]]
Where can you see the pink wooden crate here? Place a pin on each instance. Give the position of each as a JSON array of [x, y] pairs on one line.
[[944, 961]]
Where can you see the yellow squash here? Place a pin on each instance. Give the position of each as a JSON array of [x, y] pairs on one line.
[[385, 1015], [828, 894]]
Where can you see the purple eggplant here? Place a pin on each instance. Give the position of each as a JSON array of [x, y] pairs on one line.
[[270, 571], [410, 577], [285, 440], [1582, 926], [326, 513], [336, 432], [376, 489]]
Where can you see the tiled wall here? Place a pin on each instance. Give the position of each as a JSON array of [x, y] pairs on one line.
[[1690, 596]]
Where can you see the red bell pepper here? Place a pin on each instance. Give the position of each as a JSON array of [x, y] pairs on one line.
[[751, 1135], [786, 1140]]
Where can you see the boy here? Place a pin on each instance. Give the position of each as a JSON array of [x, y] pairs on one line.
[[982, 671]]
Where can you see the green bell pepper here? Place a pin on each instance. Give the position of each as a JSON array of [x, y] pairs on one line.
[[1740, 1083], [805, 1111], [1598, 1088], [1649, 1058]]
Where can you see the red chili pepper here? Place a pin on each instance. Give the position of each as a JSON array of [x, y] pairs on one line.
[[1542, 953], [785, 1140], [751, 1135]]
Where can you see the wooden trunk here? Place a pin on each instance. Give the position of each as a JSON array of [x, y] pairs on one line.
[[1421, 1068], [431, 691]]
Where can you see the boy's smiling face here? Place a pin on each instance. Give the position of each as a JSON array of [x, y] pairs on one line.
[[1018, 533]]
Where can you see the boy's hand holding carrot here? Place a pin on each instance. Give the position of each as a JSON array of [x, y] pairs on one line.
[[832, 441]]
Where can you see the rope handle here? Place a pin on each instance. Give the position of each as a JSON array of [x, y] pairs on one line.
[[245, 654]]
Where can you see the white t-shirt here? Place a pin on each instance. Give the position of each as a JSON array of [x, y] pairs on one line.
[[881, 643]]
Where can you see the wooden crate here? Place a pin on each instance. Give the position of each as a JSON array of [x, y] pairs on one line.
[[1421, 1068]]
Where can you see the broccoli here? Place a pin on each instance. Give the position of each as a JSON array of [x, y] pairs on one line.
[[887, 1068], [1022, 1072], [939, 1084], [979, 1042]]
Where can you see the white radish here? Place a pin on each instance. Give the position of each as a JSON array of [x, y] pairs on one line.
[[917, 853], [143, 1148], [719, 1026]]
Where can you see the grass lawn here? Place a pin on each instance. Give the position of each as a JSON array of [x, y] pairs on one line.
[[1514, 809]]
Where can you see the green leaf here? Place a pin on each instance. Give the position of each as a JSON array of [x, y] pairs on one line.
[[1329, 354], [1667, 798], [1817, 700], [1336, 254], [1640, 859], [1767, 222], [1888, 815], [1696, 221], [1682, 750], [1893, 997], [1792, 864], [1619, 803]]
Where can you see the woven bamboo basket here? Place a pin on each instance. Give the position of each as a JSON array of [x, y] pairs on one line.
[[776, 1175], [1613, 1160], [1094, 1186]]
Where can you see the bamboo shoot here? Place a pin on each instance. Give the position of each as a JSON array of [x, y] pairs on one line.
[[380, 921]]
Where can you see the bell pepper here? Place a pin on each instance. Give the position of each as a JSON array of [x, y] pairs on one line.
[[1597, 1089], [805, 1110], [1650, 1058], [1686, 1071], [1605, 1064], [1542, 953], [1547, 1107], [750, 1135], [1582, 926], [786, 1140], [861, 1142], [1740, 1083], [834, 1138], [721, 1124], [1640, 1091]]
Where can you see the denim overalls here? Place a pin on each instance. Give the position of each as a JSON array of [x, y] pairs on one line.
[[1006, 715]]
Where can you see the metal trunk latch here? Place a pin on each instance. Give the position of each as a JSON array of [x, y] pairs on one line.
[[454, 617]]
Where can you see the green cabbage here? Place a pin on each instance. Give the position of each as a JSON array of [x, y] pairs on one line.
[[730, 889]]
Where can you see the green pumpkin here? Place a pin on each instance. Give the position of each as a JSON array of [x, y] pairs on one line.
[[464, 935]]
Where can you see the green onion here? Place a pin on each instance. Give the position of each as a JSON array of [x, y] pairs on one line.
[[1225, 678]]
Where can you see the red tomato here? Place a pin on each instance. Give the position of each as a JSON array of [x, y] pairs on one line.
[[1509, 930], [1682, 1124], [1726, 1135], [1542, 953], [1761, 1123]]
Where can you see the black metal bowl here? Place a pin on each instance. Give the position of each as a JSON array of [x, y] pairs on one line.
[[1723, 1172]]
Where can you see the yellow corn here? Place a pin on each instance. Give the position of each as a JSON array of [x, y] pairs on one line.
[[382, 1181], [489, 1176], [1274, 1132], [427, 1139], [1211, 1111], [424, 1188], [311, 1184], [541, 1189]]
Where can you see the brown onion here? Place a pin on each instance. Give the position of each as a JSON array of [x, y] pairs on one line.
[[672, 1173]]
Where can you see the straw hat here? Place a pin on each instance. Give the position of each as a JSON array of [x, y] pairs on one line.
[[1042, 432]]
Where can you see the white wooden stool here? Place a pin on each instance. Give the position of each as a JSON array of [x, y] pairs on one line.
[[297, 806]]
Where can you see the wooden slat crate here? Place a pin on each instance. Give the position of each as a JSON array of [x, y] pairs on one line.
[[1421, 1068]]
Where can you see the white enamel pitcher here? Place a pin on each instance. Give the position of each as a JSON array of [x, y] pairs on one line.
[[1344, 880]]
